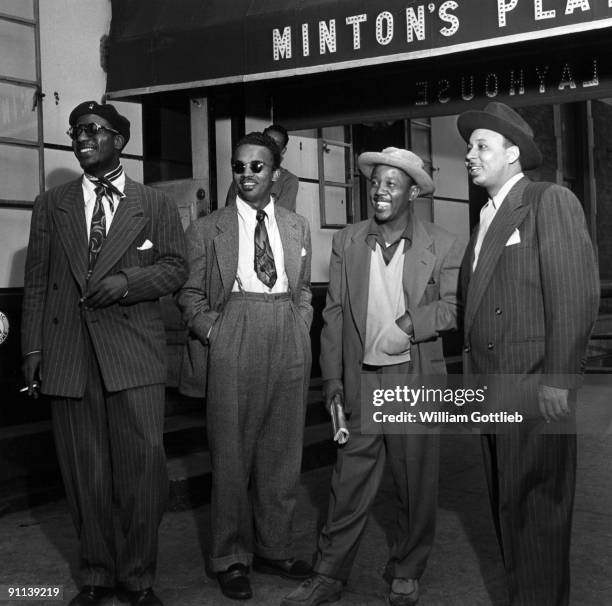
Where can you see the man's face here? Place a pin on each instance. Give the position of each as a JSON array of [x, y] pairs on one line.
[[391, 192], [99, 153], [278, 139], [490, 161], [256, 175]]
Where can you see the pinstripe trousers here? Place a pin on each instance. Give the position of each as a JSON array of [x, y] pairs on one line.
[[110, 450], [531, 476], [258, 375]]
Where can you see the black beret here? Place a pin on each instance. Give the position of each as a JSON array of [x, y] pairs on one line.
[[107, 111]]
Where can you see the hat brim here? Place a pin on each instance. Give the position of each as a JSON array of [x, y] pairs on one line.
[[368, 160], [471, 120]]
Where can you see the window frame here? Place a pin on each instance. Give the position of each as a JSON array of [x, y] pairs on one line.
[[37, 97]]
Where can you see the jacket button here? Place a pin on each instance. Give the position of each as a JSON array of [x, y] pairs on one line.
[[126, 316], [490, 346], [498, 311], [55, 321], [466, 349], [54, 286]]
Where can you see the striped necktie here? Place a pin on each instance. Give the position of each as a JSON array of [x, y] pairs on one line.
[[97, 232], [264, 259]]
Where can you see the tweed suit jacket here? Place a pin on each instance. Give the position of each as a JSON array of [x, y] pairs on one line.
[[128, 336], [212, 245], [530, 306], [430, 280]]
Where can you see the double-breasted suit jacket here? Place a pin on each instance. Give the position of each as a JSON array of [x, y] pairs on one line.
[[212, 242], [430, 277], [532, 301], [128, 336]]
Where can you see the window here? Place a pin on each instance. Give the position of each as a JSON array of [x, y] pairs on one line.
[[21, 144], [335, 152]]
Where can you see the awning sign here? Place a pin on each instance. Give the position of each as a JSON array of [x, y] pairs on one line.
[[156, 45]]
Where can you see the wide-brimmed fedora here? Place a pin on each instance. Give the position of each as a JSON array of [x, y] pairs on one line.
[[505, 121], [409, 162]]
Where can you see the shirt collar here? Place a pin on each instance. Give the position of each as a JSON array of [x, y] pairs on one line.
[[505, 188], [118, 182], [247, 212], [375, 235]]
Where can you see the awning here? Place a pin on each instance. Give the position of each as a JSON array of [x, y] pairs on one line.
[[159, 45]]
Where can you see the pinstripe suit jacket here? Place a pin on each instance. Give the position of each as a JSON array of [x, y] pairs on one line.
[[430, 281], [128, 336], [212, 244], [530, 307]]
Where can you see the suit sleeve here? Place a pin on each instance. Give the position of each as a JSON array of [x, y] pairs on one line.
[[289, 192], [570, 286], [193, 298], [305, 300], [169, 271], [333, 315], [36, 277], [441, 314]]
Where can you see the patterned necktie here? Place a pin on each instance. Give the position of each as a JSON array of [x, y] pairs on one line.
[[264, 259], [97, 232]]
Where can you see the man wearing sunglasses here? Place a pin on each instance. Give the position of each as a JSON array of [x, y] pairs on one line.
[[102, 250], [247, 306], [285, 188]]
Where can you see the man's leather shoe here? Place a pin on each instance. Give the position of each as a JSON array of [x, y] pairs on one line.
[[92, 595], [404, 592], [234, 582], [142, 597], [297, 570], [318, 589]]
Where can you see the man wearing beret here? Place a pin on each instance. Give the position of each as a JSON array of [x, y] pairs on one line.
[[102, 250], [392, 290], [530, 288]]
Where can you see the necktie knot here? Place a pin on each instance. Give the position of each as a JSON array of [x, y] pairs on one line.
[[261, 215]]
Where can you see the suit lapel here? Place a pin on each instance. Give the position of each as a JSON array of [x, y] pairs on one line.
[[288, 230], [419, 262], [358, 258], [72, 230], [127, 223], [508, 218], [226, 247]]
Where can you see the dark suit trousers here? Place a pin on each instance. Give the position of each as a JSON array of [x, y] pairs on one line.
[[414, 460], [110, 449], [531, 478], [258, 375]]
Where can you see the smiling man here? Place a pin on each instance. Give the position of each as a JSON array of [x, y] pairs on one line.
[[392, 290], [247, 306], [102, 250], [531, 290]]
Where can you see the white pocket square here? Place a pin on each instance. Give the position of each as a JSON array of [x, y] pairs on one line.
[[146, 245], [303, 252], [515, 238]]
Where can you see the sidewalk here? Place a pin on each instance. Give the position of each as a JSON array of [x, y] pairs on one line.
[[39, 545]]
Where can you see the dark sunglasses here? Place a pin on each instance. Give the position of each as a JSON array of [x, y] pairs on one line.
[[256, 166], [90, 130]]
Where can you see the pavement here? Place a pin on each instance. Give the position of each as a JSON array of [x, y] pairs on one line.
[[38, 546]]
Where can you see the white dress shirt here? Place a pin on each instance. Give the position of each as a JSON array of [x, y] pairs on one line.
[[89, 195], [488, 212], [246, 278]]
